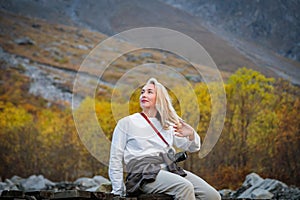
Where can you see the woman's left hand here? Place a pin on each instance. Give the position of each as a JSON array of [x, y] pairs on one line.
[[184, 130]]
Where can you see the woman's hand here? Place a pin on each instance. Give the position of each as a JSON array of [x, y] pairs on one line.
[[184, 130]]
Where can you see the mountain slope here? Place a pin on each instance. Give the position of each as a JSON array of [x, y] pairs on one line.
[[274, 24], [115, 16]]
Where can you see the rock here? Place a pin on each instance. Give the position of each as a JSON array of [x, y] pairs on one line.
[[54, 51], [226, 193], [86, 183], [36, 26], [255, 187], [93, 189], [34, 183], [80, 46], [100, 180], [146, 55], [264, 188], [291, 193], [10, 185], [194, 78], [49, 184], [24, 41], [83, 47], [252, 179], [3, 186], [131, 58], [261, 194], [104, 187], [64, 185], [16, 180], [272, 185]]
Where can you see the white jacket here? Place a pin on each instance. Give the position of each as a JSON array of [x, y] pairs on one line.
[[134, 138]]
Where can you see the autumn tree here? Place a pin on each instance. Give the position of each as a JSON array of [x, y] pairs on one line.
[[248, 95]]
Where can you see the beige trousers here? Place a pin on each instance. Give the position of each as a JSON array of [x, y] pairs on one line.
[[189, 187]]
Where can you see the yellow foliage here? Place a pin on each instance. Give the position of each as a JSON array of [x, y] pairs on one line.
[[13, 118]]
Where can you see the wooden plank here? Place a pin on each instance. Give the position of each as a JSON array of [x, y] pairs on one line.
[[102, 195], [155, 197], [43, 194], [13, 193], [124, 198], [72, 194]]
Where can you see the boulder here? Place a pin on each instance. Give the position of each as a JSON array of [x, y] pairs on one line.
[[100, 180], [252, 179], [264, 188], [255, 187], [85, 183], [24, 41], [259, 193], [146, 55], [226, 193], [35, 183]]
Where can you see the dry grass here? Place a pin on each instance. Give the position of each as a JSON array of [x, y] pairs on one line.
[[66, 47]]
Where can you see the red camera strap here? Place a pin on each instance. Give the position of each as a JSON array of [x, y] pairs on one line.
[[157, 132]]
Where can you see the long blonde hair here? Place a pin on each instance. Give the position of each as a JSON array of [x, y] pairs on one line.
[[164, 105]]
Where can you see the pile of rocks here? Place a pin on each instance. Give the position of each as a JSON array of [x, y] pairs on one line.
[[98, 187], [38, 183], [255, 187], [40, 188]]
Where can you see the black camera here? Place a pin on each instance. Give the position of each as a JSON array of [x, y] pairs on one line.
[[180, 156], [177, 157]]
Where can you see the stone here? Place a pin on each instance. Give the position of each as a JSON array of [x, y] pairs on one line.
[[2, 186], [226, 193], [24, 41], [104, 187], [100, 180], [34, 183], [131, 58], [82, 47], [86, 183], [252, 179], [260, 188], [259, 193], [36, 26], [146, 55], [16, 179]]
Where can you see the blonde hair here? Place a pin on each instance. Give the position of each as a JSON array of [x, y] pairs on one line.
[[164, 105]]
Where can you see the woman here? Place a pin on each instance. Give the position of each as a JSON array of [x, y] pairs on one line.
[[147, 154]]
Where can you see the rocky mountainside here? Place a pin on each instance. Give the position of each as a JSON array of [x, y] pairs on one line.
[[114, 16], [51, 55], [274, 24]]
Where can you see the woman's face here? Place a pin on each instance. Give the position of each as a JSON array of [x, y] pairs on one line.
[[148, 97]]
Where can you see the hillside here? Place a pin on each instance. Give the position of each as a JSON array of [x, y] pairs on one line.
[[51, 55], [262, 22], [111, 17], [39, 61]]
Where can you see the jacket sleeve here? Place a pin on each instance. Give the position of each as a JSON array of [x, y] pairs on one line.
[[116, 158], [186, 144]]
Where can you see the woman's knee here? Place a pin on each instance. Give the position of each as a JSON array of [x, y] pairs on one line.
[[188, 186], [184, 189]]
